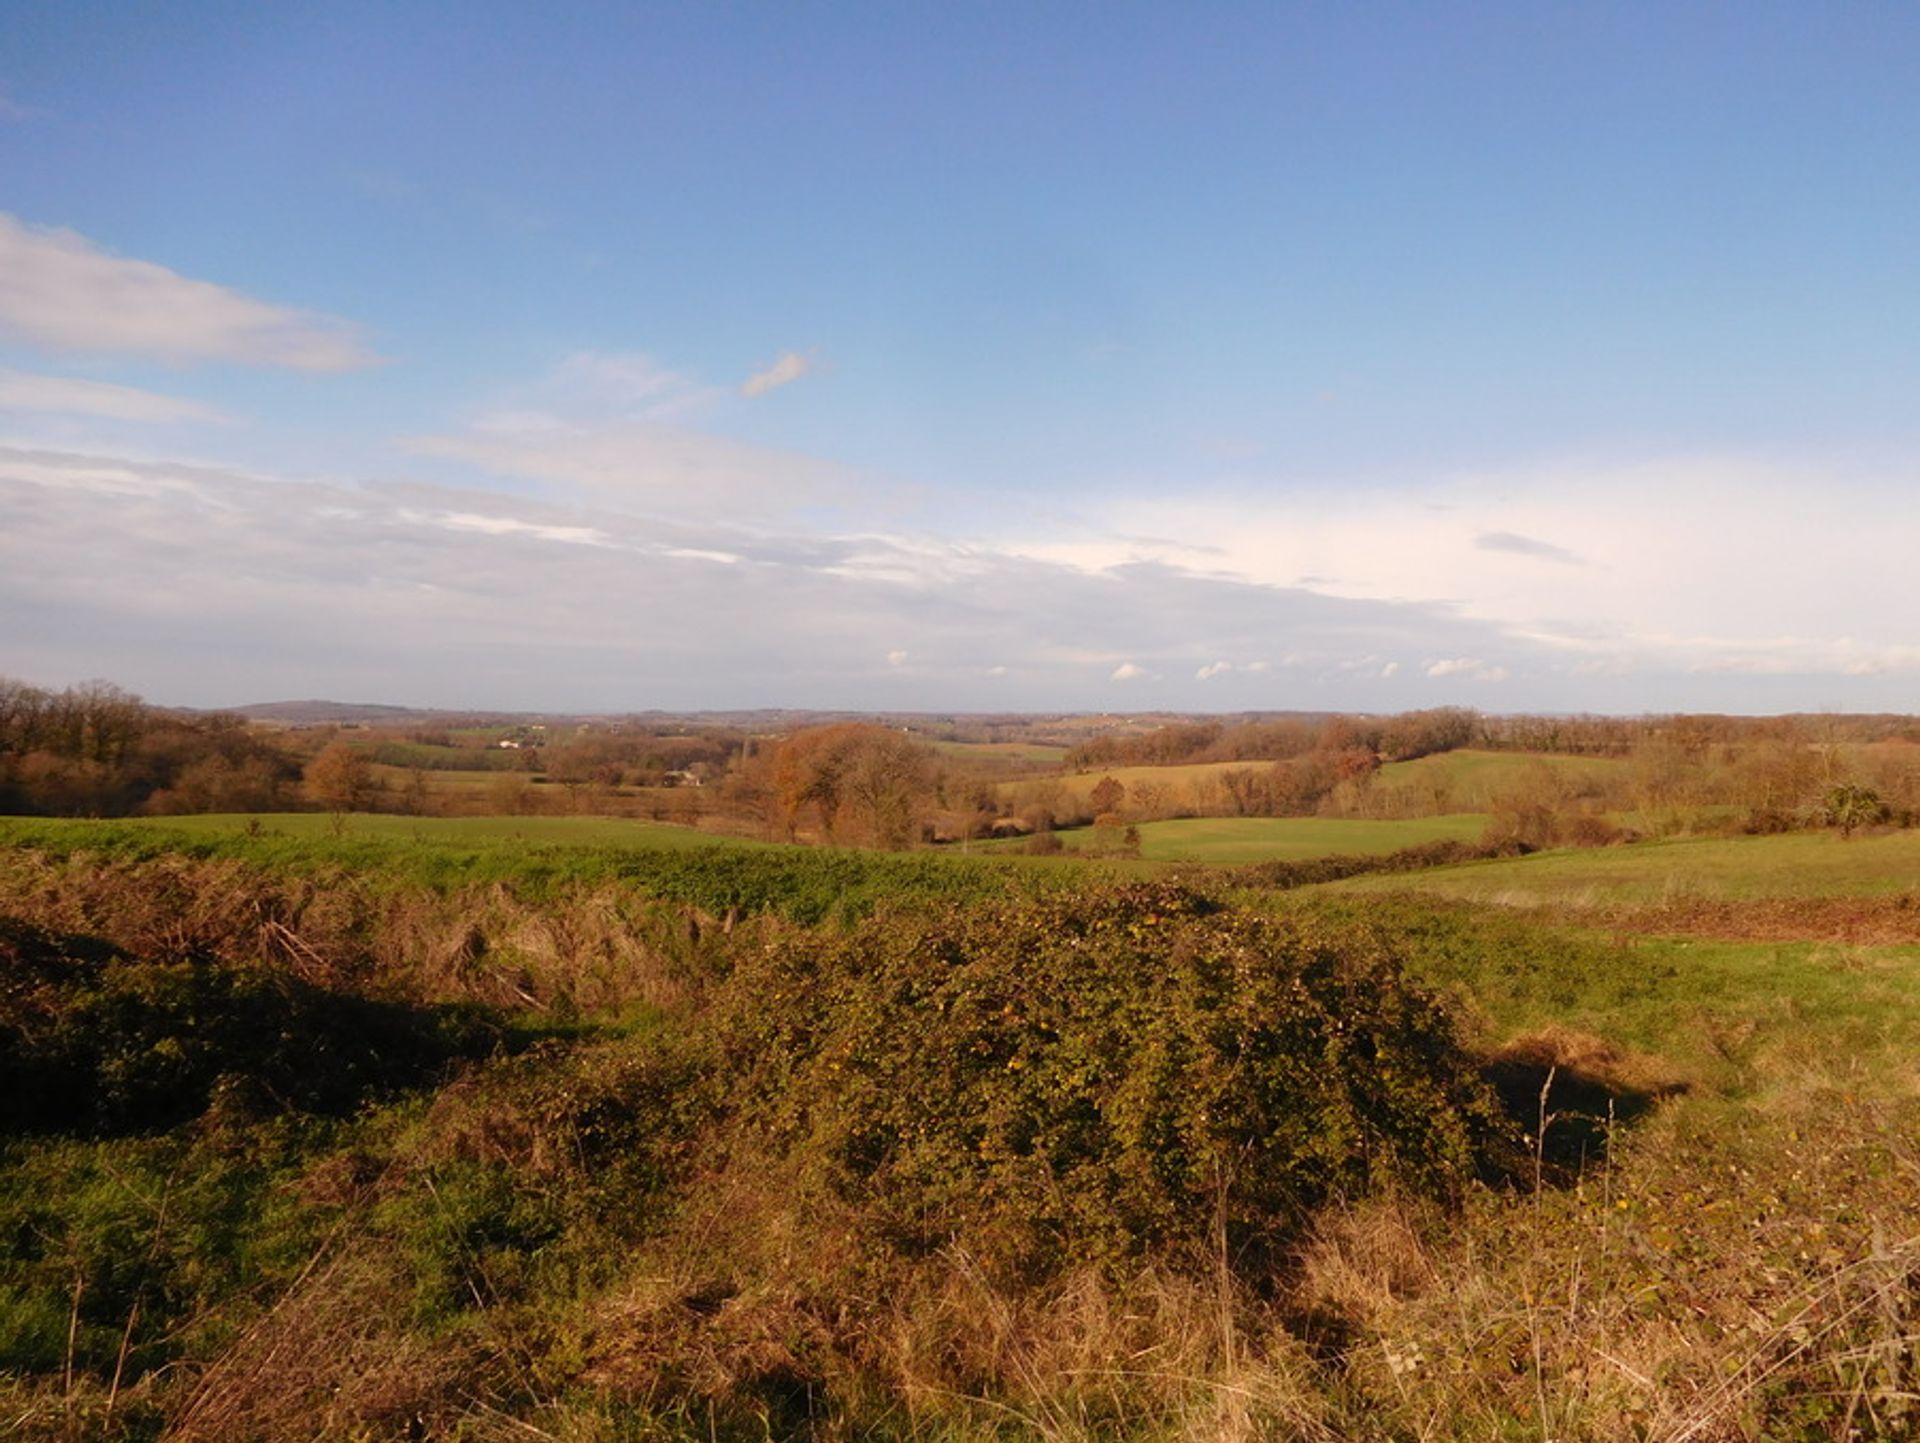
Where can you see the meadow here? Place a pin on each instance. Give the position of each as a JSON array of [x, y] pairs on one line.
[[1038, 753], [1270, 839], [514, 832], [1470, 779], [586, 1129], [1814, 864], [1176, 778]]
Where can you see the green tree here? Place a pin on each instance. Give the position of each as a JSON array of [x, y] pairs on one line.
[[1850, 805]]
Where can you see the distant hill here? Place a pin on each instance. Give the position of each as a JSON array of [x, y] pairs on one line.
[[319, 713], [1062, 728]]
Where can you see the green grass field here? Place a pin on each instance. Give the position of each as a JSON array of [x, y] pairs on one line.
[[552, 857], [1470, 779], [1796, 864], [1001, 751], [456, 831], [1292, 839], [1176, 779], [446, 780]]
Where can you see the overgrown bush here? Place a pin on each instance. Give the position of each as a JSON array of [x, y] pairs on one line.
[[93, 1040], [1131, 1073]]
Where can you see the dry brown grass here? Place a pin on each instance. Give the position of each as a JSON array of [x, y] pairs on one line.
[[601, 948], [334, 1358]]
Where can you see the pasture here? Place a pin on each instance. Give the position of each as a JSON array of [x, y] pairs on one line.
[[450, 831], [1039, 753], [1802, 865], [1177, 780], [1292, 839], [1467, 780]]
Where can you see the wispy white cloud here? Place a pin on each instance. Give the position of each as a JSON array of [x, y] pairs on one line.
[[177, 578], [1223, 668], [61, 291], [1470, 667], [625, 430], [506, 526], [1688, 566], [644, 466], [1515, 544], [784, 372], [200, 584], [68, 395], [623, 385]]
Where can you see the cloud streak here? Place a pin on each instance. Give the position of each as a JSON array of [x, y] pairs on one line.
[[784, 372], [197, 584], [66, 395], [1515, 544], [202, 585], [1695, 566], [60, 291], [645, 466]]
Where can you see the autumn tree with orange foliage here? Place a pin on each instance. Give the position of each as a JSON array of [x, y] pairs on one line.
[[853, 782]]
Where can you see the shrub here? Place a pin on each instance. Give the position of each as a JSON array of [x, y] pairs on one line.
[[1849, 806], [94, 1040], [1106, 1076]]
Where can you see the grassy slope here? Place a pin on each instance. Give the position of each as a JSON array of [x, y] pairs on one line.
[[1176, 778], [1287, 839], [1797, 864], [458, 831], [445, 780], [1472, 777], [1734, 1015], [552, 857]]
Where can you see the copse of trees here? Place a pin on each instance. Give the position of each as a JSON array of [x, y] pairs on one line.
[[1396, 739], [848, 783], [98, 750]]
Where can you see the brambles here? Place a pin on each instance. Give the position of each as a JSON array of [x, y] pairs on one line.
[[94, 1041], [1125, 1074]]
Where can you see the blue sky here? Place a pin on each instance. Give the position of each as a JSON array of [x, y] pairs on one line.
[[1100, 357]]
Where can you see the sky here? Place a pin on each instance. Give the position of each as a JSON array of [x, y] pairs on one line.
[[990, 357]]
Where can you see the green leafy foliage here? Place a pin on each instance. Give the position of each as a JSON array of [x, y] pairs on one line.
[[95, 1041], [1113, 1074]]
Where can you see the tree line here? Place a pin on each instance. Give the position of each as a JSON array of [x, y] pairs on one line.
[[98, 750]]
